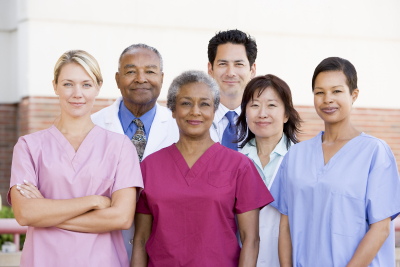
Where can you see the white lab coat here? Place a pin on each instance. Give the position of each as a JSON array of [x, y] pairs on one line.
[[270, 219], [163, 132]]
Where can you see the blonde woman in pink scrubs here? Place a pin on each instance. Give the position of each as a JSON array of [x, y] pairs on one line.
[[74, 184]]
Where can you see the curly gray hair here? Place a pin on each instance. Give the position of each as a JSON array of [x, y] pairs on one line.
[[192, 76]]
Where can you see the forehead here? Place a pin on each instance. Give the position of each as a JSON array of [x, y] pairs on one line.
[[140, 57], [268, 94], [329, 79], [73, 71], [200, 90], [232, 52]]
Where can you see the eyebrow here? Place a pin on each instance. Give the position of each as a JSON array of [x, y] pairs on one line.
[[73, 81], [224, 60], [129, 66], [203, 98], [331, 87]]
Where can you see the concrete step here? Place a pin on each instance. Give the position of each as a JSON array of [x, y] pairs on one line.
[[10, 259]]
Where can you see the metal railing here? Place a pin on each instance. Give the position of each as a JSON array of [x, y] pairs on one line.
[[11, 226]]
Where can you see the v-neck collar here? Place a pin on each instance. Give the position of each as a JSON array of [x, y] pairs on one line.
[[67, 147], [319, 153], [191, 173]]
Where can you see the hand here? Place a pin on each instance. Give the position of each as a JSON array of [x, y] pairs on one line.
[[102, 202], [28, 190]]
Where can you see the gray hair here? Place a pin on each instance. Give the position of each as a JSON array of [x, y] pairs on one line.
[[144, 46], [192, 76]]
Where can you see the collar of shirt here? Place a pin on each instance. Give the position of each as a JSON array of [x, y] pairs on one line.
[[126, 118], [222, 110], [250, 150]]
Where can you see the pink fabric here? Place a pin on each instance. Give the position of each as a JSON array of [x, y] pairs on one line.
[[104, 163], [194, 209]]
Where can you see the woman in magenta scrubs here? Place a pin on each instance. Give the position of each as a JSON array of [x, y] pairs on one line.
[[74, 184], [194, 189]]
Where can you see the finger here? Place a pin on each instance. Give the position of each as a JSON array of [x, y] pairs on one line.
[[31, 188], [24, 194], [27, 190]]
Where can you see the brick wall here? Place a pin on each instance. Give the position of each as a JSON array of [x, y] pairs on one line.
[[8, 138], [36, 113]]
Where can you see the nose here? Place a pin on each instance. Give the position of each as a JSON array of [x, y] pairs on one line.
[[328, 98], [230, 71], [263, 113], [195, 110], [140, 77], [77, 92]]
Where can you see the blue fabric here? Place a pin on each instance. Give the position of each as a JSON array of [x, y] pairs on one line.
[[126, 118], [250, 150], [331, 207], [230, 132]]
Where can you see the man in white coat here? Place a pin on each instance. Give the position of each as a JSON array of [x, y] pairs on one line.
[[137, 113]]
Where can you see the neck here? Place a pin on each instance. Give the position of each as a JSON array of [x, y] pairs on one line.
[[138, 110], [193, 145], [231, 102], [265, 145], [74, 126], [341, 130]]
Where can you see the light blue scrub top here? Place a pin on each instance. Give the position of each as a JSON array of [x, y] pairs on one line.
[[250, 150], [330, 207]]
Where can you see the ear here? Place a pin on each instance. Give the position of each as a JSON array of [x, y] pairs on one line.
[[253, 71], [162, 77], [354, 95], [210, 69], [285, 120], [173, 114], [55, 87], [117, 78]]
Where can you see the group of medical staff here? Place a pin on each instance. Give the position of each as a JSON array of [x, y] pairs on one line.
[[216, 178]]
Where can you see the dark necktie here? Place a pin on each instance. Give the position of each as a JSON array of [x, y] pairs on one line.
[[230, 132], [139, 138]]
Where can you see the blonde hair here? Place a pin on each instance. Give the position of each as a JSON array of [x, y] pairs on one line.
[[83, 58]]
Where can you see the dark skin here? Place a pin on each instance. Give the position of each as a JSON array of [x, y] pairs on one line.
[[139, 79], [194, 114], [333, 103]]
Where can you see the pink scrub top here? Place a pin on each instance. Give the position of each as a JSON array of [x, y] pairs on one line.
[[194, 209], [104, 163]]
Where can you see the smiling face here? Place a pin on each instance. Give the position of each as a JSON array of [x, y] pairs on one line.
[[76, 90], [231, 69], [194, 110], [332, 99], [266, 114], [139, 77]]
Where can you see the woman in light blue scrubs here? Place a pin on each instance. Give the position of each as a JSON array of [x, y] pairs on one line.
[[267, 125], [338, 192]]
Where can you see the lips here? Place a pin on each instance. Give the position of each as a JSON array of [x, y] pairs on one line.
[[77, 104], [263, 123], [329, 110], [194, 122]]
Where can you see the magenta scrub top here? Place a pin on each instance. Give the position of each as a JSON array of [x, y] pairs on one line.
[[194, 209], [104, 163]]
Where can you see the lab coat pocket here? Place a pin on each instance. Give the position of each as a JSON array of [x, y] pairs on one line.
[[219, 178], [347, 215], [102, 187]]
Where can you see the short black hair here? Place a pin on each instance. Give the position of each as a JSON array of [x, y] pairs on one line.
[[337, 64], [233, 37]]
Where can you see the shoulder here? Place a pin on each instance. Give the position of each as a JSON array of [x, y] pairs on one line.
[[36, 137], [378, 147], [304, 146], [111, 136], [160, 156]]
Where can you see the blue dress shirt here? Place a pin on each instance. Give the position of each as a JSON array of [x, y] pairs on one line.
[[126, 118]]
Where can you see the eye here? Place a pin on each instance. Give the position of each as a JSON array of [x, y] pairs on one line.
[[87, 85], [130, 72], [67, 84], [319, 93], [337, 91], [239, 64], [254, 105], [271, 105], [222, 64], [150, 71], [205, 104], [185, 103]]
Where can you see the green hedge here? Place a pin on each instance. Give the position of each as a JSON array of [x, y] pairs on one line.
[[7, 212]]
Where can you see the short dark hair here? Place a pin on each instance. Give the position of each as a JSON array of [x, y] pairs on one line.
[[290, 128], [233, 37], [337, 64]]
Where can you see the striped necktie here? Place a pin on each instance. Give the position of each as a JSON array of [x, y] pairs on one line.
[[139, 138]]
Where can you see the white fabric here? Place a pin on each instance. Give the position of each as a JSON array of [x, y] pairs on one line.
[[221, 122], [164, 132], [270, 219]]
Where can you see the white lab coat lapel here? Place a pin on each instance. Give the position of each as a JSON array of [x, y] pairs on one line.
[[158, 132], [269, 232], [112, 121]]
